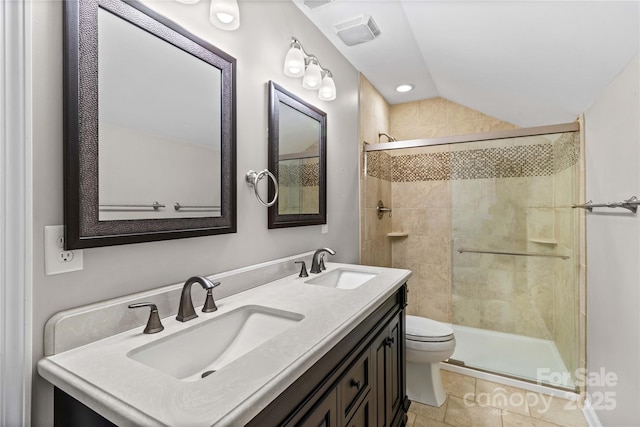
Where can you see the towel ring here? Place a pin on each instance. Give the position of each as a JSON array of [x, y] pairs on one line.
[[253, 177]]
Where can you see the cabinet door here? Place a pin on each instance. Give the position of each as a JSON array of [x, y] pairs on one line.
[[364, 415], [324, 414], [395, 385], [388, 370]]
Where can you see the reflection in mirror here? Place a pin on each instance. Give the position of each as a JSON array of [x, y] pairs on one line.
[[298, 168], [150, 128], [169, 130], [297, 156]]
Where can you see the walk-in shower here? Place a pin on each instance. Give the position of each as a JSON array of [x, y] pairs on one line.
[[486, 225]]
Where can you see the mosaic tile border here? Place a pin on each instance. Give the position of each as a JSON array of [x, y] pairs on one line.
[[566, 151], [508, 162], [290, 175], [379, 165], [421, 167], [505, 162]]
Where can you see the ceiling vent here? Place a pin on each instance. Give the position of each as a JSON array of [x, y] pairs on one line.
[[312, 4], [359, 30]]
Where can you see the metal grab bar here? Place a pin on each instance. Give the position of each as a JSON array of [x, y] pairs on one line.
[[630, 204], [177, 206], [476, 251], [155, 205]]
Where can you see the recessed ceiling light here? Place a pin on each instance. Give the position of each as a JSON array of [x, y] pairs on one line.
[[404, 88]]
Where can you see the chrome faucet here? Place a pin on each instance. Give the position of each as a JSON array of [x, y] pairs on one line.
[[315, 263], [186, 310]]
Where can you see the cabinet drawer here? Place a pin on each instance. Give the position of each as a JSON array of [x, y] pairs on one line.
[[355, 384]]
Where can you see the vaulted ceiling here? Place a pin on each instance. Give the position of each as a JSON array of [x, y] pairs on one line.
[[530, 63]]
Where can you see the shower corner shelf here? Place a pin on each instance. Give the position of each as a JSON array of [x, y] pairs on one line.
[[398, 234], [543, 241]]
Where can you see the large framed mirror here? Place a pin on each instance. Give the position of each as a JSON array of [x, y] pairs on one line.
[[298, 158], [150, 131]]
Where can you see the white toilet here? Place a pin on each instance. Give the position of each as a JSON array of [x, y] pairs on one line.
[[428, 343]]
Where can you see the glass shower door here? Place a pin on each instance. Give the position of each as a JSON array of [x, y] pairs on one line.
[[515, 300]]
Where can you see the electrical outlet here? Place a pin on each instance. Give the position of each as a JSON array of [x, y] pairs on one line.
[[56, 259]]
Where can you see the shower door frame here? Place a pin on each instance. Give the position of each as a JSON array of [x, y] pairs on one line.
[[486, 136]]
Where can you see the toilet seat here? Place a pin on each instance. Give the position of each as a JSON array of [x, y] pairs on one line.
[[422, 329]]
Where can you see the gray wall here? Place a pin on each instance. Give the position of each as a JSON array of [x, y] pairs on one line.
[[612, 135], [259, 47]]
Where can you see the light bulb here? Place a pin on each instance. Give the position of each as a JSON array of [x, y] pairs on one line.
[[294, 62], [224, 17], [225, 14], [312, 76], [327, 90]]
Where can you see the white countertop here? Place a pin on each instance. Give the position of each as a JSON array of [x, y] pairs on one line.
[[127, 392]]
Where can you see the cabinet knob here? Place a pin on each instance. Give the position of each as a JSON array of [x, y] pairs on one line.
[[355, 384], [389, 341]]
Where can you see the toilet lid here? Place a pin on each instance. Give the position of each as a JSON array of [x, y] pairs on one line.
[[423, 329]]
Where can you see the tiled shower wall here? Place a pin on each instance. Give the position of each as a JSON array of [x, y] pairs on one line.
[[375, 246], [421, 119], [422, 197]]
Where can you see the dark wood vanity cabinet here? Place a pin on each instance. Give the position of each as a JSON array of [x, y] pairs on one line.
[[359, 383]]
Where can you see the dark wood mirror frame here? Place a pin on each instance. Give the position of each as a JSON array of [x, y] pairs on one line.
[[82, 226], [277, 95]]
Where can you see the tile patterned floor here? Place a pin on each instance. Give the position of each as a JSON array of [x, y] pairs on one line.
[[473, 402]]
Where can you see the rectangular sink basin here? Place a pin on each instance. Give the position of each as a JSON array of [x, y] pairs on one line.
[[342, 278], [196, 352]]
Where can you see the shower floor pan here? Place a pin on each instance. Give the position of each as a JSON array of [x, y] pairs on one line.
[[527, 358]]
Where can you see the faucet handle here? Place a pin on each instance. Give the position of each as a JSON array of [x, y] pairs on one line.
[[153, 324], [209, 303], [322, 267], [303, 269]]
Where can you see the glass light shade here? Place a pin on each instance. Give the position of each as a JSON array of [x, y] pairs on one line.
[[312, 77], [225, 14], [224, 17], [327, 90], [294, 63]]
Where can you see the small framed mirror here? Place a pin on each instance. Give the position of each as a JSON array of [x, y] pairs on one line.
[[150, 150], [298, 159]]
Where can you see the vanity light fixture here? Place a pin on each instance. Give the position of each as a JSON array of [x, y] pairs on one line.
[[299, 63], [225, 14]]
